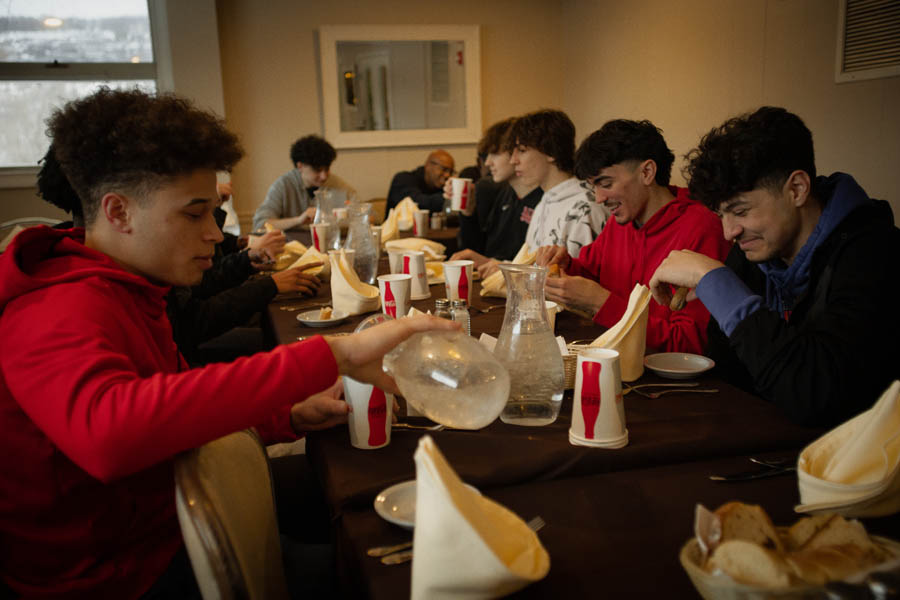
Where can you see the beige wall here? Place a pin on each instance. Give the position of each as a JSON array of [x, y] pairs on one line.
[[689, 65], [270, 74]]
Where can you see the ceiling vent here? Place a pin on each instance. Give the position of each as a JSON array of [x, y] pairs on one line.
[[868, 45]]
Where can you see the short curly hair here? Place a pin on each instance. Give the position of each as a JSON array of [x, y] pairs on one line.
[[494, 138], [621, 141], [54, 187], [313, 151], [551, 132], [755, 150]]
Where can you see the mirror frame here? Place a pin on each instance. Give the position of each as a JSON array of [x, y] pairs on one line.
[[330, 35]]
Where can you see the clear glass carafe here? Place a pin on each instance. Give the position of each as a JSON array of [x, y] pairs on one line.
[[528, 350], [359, 238], [325, 205]]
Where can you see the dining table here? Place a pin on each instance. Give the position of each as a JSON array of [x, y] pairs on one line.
[[615, 519]]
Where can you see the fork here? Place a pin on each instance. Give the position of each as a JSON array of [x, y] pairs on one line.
[[535, 524], [672, 391], [489, 308], [418, 427]]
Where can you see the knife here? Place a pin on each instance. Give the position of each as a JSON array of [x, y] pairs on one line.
[[756, 474]]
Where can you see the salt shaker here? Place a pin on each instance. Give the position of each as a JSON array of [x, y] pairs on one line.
[[442, 308], [460, 313]]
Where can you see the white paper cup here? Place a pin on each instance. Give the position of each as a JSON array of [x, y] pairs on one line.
[[414, 264], [376, 236], [340, 214], [552, 309], [395, 294], [598, 415], [395, 260], [458, 280], [320, 237], [370, 420], [463, 195], [420, 222]]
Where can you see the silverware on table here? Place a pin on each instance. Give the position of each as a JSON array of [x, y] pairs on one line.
[[770, 468], [674, 391], [489, 308], [379, 551], [418, 427]]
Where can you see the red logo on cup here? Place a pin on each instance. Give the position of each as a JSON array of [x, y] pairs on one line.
[[316, 244], [390, 304], [462, 287], [415, 225], [464, 197], [590, 396], [377, 417], [406, 265]]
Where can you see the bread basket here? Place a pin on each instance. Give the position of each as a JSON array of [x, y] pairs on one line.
[[570, 361]]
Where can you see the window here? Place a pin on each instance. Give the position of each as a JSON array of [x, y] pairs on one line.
[[54, 51]]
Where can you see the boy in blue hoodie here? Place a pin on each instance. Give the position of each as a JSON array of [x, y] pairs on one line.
[[804, 308]]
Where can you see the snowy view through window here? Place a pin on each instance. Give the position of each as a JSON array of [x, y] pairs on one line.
[[41, 32]]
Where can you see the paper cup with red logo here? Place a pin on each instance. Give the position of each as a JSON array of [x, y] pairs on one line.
[[414, 264], [420, 222], [462, 196], [552, 309], [395, 294], [370, 419], [598, 415], [458, 280], [395, 260], [320, 233]]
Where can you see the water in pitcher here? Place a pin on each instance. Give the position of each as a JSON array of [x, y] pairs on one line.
[[536, 380]]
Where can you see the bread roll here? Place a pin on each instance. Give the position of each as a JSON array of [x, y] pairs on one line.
[[801, 531], [325, 313], [750, 523], [747, 562]]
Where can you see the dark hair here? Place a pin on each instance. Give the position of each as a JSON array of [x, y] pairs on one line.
[[622, 141], [134, 142], [54, 187], [313, 151], [493, 139], [748, 152], [551, 132]]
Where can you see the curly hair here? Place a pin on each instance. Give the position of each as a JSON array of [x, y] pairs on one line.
[[551, 132], [622, 141], [754, 150], [134, 142], [313, 151], [493, 139], [54, 187]]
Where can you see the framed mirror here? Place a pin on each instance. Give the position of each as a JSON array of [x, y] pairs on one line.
[[400, 85]]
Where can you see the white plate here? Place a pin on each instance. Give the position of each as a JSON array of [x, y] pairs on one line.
[[311, 318], [397, 504], [678, 365]]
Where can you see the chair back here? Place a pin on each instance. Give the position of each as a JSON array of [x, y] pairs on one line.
[[9, 229], [376, 217], [226, 509]]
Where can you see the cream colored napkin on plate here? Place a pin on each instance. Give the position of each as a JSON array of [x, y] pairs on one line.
[[854, 469], [406, 208], [495, 285], [310, 256], [433, 250], [467, 546], [628, 337], [348, 293]]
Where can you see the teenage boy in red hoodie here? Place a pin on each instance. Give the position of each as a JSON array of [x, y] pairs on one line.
[[628, 164], [95, 399]]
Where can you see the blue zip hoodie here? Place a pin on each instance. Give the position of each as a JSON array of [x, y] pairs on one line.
[[730, 301]]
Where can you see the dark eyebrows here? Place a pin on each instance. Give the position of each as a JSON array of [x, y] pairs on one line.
[[729, 205], [195, 201]]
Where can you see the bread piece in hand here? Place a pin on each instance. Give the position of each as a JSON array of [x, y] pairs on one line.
[[750, 523], [748, 562], [553, 270]]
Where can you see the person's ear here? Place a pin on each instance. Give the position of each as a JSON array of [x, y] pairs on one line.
[[797, 188], [117, 209], [647, 171]]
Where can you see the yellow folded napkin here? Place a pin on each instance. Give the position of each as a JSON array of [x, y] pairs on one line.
[[406, 209], [433, 250], [628, 337], [292, 251], [348, 293], [467, 546], [495, 285], [854, 469], [389, 229], [435, 272], [311, 256]]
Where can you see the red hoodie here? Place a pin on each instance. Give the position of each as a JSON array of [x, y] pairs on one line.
[[95, 401], [624, 255]]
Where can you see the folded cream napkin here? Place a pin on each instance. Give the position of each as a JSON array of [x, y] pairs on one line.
[[389, 228], [406, 209], [292, 251], [467, 546], [432, 250], [348, 293], [854, 469], [435, 272], [495, 285], [311, 256], [628, 337], [413, 311]]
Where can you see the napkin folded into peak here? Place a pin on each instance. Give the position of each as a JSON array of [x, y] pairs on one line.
[[433, 250], [348, 293], [389, 229], [311, 255], [467, 546], [406, 210], [288, 256], [628, 337], [854, 469], [495, 284]]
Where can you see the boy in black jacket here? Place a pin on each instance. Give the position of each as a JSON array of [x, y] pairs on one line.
[[805, 308]]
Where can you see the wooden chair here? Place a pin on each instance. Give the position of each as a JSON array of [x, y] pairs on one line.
[[378, 208], [226, 509]]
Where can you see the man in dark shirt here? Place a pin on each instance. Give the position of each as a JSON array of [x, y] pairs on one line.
[[424, 184]]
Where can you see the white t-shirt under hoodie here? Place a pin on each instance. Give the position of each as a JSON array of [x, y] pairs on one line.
[[567, 215]]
